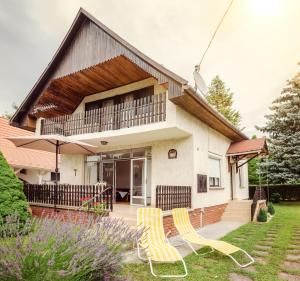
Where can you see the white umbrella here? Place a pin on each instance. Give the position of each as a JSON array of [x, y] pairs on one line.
[[53, 143]]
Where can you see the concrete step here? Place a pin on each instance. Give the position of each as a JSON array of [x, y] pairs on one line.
[[238, 210]]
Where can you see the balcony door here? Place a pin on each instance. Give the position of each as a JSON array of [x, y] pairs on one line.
[[138, 182]]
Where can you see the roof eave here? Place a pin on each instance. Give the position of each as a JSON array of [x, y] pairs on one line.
[[209, 108]]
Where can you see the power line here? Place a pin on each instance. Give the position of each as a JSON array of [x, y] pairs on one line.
[[214, 34]]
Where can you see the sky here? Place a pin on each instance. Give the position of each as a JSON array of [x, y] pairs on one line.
[[255, 51]]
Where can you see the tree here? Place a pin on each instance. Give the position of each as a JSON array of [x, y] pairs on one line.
[[283, 127], [253, 169], [12, 197], [9, 115], [221, 99], [256, 173]]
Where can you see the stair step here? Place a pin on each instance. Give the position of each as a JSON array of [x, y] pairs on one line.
[[238, 210]]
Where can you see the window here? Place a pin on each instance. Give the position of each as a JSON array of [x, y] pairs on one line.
[[214, 165], [201, 183], [53, 176], [127, 97]]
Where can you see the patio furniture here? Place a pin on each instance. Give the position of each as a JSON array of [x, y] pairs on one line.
[[153, 240], [189, 235]]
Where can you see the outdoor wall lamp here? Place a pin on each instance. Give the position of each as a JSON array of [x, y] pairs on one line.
[[104, 142], [75, 172]]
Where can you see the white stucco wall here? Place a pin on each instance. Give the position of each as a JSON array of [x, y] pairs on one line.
[[241, 190], [194, 143], [206, 142], [67, 169], [172, 171], [35, 176]]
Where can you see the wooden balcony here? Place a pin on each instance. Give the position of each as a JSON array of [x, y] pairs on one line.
[[148, 110]]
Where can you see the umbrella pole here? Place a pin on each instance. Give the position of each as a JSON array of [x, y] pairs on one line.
[[56, 175]]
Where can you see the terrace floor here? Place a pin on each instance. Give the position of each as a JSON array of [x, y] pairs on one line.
[[275, 247]]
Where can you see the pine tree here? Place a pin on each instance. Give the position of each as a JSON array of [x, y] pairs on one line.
[[283, 128], [221, 99], [12, 198], [256, 172]]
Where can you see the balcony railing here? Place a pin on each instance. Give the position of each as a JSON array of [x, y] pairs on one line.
[[141, 111]]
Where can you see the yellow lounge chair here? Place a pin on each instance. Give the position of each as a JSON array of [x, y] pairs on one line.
[[189, 235], [153, 240]]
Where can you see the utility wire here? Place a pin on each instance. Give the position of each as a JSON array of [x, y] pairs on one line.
[[214, 34]]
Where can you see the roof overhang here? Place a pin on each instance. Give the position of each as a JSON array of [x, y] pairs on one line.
[[198, 106], [63, 95], [246, 150]]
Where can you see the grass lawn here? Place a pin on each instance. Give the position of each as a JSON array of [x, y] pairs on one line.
[[274, 245]]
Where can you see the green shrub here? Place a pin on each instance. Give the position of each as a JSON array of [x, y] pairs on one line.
[[12, 197], [271, 209], [275, 197], [262, 216]]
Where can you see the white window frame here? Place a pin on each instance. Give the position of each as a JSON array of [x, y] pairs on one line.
[[220, 159]]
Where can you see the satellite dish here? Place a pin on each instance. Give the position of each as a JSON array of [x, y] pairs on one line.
[[200, 83]]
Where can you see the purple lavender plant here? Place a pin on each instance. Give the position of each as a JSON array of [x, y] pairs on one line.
[[63, 250]]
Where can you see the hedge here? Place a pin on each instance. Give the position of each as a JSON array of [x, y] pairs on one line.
[[288, 192]]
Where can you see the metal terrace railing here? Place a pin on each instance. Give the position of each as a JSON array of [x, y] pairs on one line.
[[141, 111]]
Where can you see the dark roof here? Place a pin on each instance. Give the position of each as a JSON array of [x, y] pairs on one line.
[[82, 16]]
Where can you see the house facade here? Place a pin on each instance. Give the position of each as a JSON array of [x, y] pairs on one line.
[[155, 136]]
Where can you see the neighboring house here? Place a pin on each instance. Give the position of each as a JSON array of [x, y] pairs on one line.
[[31, 166], [151, 128]]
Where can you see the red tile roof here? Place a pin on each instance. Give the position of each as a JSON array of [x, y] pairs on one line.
[[19, 157], [248, 147]]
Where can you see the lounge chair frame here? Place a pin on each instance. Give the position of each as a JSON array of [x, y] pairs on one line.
[[145, 259], [169, 276], [212, 250]]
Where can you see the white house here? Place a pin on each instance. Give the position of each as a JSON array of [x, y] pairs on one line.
[[155, 135]]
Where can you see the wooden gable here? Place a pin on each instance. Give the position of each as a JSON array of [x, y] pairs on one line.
[[88, 44]]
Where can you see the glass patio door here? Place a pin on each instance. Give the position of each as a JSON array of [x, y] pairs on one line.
[[108, 175], [138, 182]]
